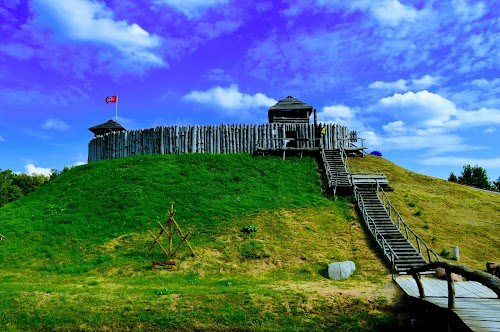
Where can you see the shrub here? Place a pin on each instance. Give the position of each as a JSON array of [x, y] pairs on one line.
[[250, 229], [453, 177], [376, 153], [444, 253]]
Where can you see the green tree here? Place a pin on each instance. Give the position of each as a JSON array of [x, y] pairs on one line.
[[29, 183], [474, 176], [453, 177], [8, 191], [496, 184]]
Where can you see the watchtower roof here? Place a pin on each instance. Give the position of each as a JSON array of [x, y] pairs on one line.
[[106, 127], [290, 110]]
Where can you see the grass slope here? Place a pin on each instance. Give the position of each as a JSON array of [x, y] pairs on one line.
[[74, 253], [443, 213]]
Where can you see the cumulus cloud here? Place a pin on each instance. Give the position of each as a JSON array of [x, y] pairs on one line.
[[337, 114], [230, 98], [32, 169], [192, 8], [93, 23], [55, 124], [421, 109]]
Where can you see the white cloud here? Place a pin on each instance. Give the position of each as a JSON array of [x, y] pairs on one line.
[[1, 139], [93, 23], [230, 98], [424, 82], [396, 127], [192, 8], [489, 130], [55, 124], [342, 115], [481, 117], [404, 85], [398, 85], [391, 12], [337, 111], [488, 163], [421, 109], [78, 163], [416, 142], [32, 169]]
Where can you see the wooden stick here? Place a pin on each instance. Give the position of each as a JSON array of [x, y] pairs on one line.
[[182, 235], [184, 239], [156, 241]]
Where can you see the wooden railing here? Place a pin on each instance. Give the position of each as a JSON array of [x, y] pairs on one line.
[[333, 177], [343, 155], [332, 182], [372, 227], [416, 241], [484, 278]]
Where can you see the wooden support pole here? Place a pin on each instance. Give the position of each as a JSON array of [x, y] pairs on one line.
[[451, 289], [420, 287]]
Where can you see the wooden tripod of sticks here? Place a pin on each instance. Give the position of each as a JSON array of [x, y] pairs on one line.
[[170, 228]]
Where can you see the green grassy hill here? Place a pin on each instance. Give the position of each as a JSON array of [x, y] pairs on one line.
[[74, 256]]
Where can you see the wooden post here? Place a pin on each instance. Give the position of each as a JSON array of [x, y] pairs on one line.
[[420, 287], [451, 289]]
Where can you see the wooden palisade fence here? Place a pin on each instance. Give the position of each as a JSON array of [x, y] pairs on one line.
[[241, 138]]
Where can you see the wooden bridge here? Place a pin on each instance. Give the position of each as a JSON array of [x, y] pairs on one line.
[[472, 305]]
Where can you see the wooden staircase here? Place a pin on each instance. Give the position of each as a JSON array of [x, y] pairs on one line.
[[400, 252], [399, 244], [337, 171]]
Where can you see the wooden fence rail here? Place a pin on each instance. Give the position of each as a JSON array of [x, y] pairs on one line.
[[241, 138]]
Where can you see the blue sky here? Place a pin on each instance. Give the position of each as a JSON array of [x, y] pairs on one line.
[[420, 80]]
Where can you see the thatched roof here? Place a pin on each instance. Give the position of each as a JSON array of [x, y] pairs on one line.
[[106, 127]]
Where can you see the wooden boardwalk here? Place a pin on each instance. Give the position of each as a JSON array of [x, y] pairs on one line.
[[476, 305]]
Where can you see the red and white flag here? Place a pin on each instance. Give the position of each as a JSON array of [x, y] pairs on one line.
[[111, 99]]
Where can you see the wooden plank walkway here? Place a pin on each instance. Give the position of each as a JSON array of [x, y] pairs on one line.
[[476, 305]]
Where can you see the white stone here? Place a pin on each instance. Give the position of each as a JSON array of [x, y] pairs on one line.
[[341, 270]]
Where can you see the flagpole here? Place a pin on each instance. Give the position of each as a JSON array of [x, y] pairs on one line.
[[116, 117]]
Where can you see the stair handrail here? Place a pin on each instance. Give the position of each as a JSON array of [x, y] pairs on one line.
[[332, 180], [375, 232], [386, 202], [343, 155]]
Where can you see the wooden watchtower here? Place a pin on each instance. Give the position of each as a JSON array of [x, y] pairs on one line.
[[106, 127], [289, 112]]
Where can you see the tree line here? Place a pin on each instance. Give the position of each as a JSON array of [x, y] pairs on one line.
[[475, 176], [16, 185]]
